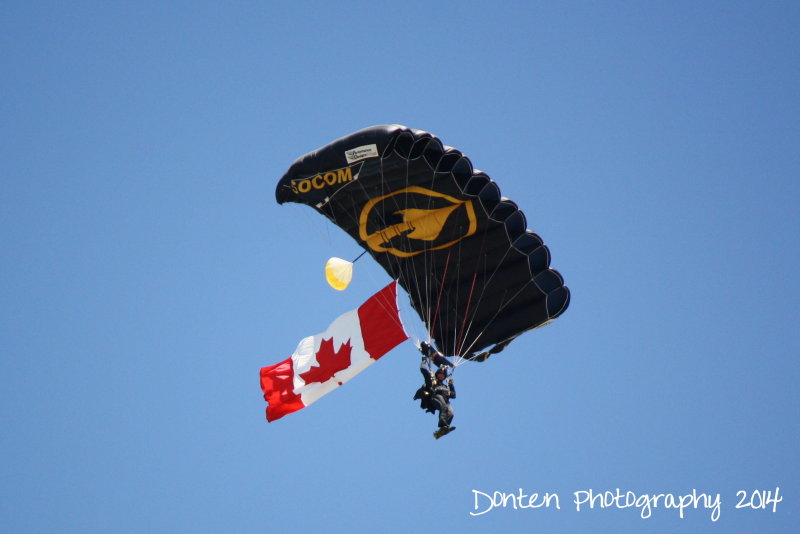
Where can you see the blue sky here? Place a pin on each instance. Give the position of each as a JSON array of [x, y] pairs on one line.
[[147, 272]]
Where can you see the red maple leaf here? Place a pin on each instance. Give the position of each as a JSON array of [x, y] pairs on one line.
[[329, 362]]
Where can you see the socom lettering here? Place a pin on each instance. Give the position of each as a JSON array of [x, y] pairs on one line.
[[322, 180]]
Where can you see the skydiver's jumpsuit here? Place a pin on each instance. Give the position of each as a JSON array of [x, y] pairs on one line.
[[440, 393]]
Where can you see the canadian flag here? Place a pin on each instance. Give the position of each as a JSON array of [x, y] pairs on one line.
[[323, 362]]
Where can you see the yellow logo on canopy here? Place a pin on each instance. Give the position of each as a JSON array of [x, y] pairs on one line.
[[423, 225]]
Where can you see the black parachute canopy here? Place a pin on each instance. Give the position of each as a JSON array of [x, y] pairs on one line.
[[474, 273]]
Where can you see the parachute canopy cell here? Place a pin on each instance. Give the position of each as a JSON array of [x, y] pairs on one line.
[[474, 273]]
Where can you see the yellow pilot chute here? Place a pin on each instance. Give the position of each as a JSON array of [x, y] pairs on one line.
[[338, 273]]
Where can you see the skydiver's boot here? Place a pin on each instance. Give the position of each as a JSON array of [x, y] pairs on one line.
[[443, 431]]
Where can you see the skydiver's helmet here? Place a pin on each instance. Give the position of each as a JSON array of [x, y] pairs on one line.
[[442, 370]]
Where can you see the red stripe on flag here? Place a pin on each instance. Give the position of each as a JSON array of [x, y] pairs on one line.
[[381, 328], [278, 386]]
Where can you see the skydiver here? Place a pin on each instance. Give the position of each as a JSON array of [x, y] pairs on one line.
[[437, 391]]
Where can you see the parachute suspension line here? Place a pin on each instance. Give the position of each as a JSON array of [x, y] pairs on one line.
[[457, 305], [435, 277], [401, 203], [439, 299], [442, 315], [464, 327], [358, 257], [422, 286], [462, 331], [486, 283], [427, 286], [411, 270], [330, 213], [320, 229], [400, 272], [499, 309]]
